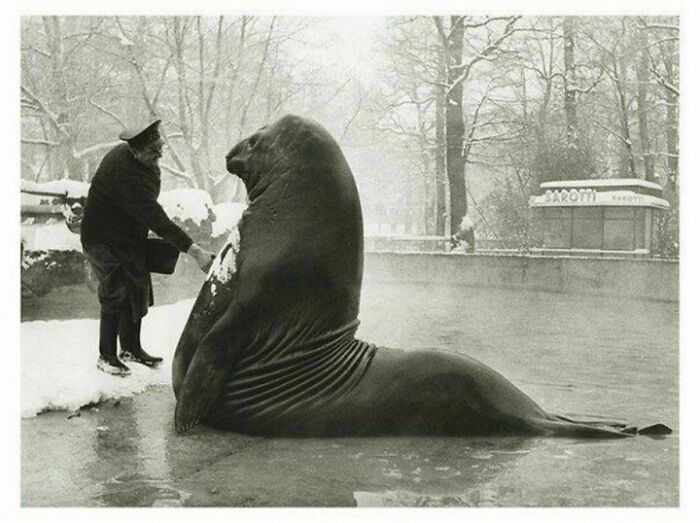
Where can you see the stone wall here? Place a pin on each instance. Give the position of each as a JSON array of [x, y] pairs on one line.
[[644, 279]]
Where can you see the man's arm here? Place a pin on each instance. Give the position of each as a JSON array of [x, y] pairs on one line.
[[203, 258], [139, 201]]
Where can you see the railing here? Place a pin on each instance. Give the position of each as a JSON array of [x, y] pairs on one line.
[[415, 243]]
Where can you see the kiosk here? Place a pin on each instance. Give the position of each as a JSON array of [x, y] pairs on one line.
[[603, 217]]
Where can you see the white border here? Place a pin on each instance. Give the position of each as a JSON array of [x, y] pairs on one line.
[[352, 8], [9, 90]]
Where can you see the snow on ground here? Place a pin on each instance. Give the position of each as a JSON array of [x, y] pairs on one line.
[[183, 204], [227, 216], [49, 236], [58, 360]]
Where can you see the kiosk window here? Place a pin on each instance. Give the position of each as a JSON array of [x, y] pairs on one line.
[[640, 229], [588, 228], [618, 231], [556, 228]]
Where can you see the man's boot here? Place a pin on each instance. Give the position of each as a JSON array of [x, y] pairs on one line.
[[130, 340], [108, 361]]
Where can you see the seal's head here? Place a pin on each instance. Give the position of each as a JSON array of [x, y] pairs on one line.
[[285, 145], [303, 225]]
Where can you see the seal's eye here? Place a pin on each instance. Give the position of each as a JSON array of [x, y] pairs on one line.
[[252, 141]]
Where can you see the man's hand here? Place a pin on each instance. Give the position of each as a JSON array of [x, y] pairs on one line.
[[203, 258]]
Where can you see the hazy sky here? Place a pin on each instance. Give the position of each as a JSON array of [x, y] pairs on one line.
[[350, 42]]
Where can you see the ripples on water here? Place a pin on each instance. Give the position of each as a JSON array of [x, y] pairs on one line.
[[583, 356]]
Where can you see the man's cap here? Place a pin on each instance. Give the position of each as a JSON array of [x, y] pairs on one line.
[[139, 135]]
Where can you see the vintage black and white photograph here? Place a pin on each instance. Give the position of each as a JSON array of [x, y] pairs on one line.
[[385, 260]]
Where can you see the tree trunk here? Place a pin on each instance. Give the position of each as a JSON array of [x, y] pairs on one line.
[[620, 72], [184, 107], [643, 106], [254, 89], [67, 163], [454, 125], [440, 177], [427, 209], [671, 120], [570, 84]]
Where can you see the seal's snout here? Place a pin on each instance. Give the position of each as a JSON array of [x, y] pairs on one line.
[[234, 160], [235, 166], [237, 157]]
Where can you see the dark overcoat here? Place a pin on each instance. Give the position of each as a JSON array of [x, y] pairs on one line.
[[121, 207]]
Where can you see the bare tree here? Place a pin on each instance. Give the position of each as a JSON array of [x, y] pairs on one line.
[[642, 68], [459, 68]]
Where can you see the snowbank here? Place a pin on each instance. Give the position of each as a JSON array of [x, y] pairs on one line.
[[187, 204], [58, 360], [227, 216]]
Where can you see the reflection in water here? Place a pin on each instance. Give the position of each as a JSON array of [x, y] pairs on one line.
[[403, 498], [455, 475], [133, 446], [330, 472]]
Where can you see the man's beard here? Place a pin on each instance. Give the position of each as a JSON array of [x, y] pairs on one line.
[[149, 160], [153, 162]]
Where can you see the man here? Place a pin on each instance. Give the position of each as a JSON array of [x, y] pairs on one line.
[[120, 209]]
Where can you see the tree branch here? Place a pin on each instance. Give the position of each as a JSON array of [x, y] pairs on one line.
[[665, 82], [53, 119], [507, 32], [614, 133], [107, 112], [177, 173], [95, 148], [47, 143]]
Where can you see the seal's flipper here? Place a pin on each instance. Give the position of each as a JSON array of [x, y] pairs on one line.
[[658, 429], [575, 430], [598, 421], [206, 375]]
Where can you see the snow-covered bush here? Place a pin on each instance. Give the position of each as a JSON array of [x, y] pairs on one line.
[[227, 216], [51, 257], [43, 271], [192, 210]]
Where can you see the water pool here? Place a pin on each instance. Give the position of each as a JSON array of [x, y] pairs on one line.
[[574, 355]]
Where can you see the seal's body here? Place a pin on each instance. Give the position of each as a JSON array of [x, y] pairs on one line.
[[270, 345]]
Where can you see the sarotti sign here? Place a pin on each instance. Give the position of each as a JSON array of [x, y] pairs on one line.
[[587, 197], [570, 195]]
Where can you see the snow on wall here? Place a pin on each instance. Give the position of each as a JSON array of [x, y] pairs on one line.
[[49, 236], [227, 216], [74, 188], [184, 204], [193, 204], [58, 360]]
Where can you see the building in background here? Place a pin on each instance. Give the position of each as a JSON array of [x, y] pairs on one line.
[[601, 217]]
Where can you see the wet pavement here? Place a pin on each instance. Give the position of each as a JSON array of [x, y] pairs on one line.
[[573, 355], [127, 453]]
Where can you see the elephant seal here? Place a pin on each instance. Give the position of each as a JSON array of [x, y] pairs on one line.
[[270, 347]]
